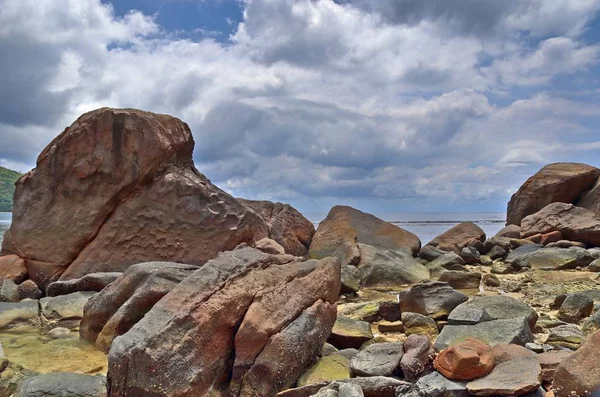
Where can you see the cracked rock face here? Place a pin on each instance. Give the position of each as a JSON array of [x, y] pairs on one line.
[[119, 187], [246, 323]]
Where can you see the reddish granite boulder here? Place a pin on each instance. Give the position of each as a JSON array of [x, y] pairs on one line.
[[12, 268], [574, 223], [467, 360], [286, 225], [246, 323], [559, 182], [458, 237], [345, 227], [579, 374], [115, 309], [119, 187]]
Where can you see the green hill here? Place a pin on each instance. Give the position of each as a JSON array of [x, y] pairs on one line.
[[7, 188]]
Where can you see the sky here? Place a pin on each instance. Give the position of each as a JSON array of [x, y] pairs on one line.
[[384, 105]]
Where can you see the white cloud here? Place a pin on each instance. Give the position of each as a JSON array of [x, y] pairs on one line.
[[319, 99]]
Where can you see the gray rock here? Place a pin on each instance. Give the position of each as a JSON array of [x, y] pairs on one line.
[[591, 324], [436, 385], [350, 279], [63, 384], [90, 282], [515, 377], [575, 308], [523, 252], [29, 290], [383, 267], [380, 359], [466, 315], [16, 314], [594, 252], [348, 353], [9, 292], [594, 266], [470, 255], [65, 310], [501, 268], [461, 280], [59, 332], [435, 299], [350, 333], [415, 323], [554, 259], [431, 253], [497, 252], [13, 375], [514, 330], [497, 307], [569, 336], [447, 261], [374, 386], [491, 280]]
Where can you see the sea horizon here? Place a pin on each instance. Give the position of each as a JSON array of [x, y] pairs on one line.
[[426, 225]]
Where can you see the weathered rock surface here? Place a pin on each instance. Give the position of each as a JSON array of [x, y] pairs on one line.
[[269, 246], [549, 361], [554, 259], [114, 310], [579, 374], [327, 369], [350, 333], [512, 378], [123, 180], [436, 385], [434, 299], [12, 376], [90, 282], [495, 307], [418, 356], [382, 267], [246, 323], [575, 223], [510, 231], [65, 310], [466, 360], [458, 237], [9, 291], [373, 386], [461, 280], [12, 267], [569, 336], [559, 182], [18, 314], [590, 199], [513, 330], [29, 290], [63, 384], [418, 324], [506, 352], [380, 359], [575, 308], [345, 227], [287, 226]]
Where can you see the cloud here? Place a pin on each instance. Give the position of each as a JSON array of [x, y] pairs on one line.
[[314, 101]]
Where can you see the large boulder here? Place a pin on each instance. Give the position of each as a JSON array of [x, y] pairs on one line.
[[575, 223], [114, 310], [497, 307], [458, 237], [246, 323], [286, 225], [345, 227], [554, 259], [90, 282], [495, 332], [382, 267], [119, 187], [559, 182], [579, 374], [435, 299]]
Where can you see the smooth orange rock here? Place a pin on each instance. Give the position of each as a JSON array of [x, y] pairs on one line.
[[467, 360]]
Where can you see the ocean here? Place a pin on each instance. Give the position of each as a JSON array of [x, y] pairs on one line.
[[426, 225]]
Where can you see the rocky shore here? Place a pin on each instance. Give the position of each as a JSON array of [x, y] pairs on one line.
[[189, 291]]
